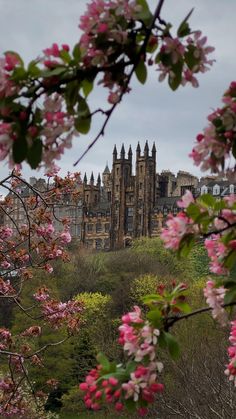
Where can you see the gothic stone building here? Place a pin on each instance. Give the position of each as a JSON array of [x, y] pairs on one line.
[[129, 201], [125, 205]]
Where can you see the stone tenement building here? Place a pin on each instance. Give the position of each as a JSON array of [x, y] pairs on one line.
[[130, 201]]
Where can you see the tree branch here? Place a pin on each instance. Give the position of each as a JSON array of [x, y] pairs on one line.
[[170, 321]]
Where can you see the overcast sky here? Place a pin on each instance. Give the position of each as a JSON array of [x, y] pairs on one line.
[[151, 112]]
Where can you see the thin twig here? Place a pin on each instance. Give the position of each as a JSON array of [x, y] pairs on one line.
[[170, 321]]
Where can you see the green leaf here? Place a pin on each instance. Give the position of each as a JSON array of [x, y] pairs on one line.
[[72, 95], [34, 155], [162, 341], [65, 56], [83, 124], [184, 307], [207, 200], [154, 316], [130, 405], [190, 58], [186, 244], [87, 87], [131, 366], [230, 259], [33, 70], [151, 298], [184, 28], [19, 149], [55, 72], [164, 58], [174, 81], [19, 74], [230, 295], [219, 205], [83, 121], [103, 360], [141, 72], [145, 15], [193, 211], [76, 53], [172, 345]]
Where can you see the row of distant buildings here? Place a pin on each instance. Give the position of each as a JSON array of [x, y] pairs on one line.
[[129, 201]]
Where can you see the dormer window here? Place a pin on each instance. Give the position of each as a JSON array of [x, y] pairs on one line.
[[231, 189], [204, 189], [216, 190]]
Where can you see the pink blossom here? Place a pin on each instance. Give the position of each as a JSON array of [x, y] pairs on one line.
[[186, 200], [231, 367], [177, 227], [48, 268], [215, 299], [102, 27], [113, 98], [41, 294], [217, 251], [11, 61], [139, 340], [5, 233], [65, 237], [53, 51]]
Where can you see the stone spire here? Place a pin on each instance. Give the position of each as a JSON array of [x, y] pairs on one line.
[[138, 150], [130, 153], [85, 179], [122, 152], [92, 179], [99, 180], [154, 150], [114, 153], [146, 149], [106, 170]]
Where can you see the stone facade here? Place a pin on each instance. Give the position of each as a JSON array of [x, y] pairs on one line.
[[124, 204]]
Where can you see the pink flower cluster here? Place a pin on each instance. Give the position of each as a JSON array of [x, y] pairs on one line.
[[174, 51], [186, 200], [5, 233], [65, 237], [6, 287], [213, 148], [6, 139], [52, 56], [108, 20], [11, 405], [106, 27], [177, 227], [215, 299], [217, 251], [139, 340], [57, 313], [7, 65], [5, 338], [231, 367], [57, 129]]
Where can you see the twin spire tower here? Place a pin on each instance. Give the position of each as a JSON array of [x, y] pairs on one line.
[[131, 198]]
